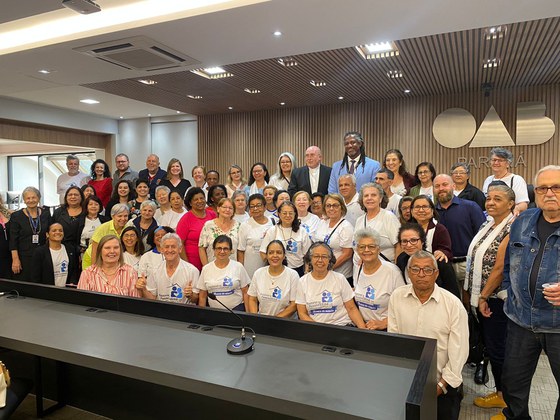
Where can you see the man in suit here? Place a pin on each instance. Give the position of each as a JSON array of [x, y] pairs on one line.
[[354, 162], [313, 177]]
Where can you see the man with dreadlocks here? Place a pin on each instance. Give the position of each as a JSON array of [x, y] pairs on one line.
[[355, 162]]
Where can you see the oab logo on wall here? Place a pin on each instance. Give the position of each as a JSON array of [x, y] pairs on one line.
[[455, 127]]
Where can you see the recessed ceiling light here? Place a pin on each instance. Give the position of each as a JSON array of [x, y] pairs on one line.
[[282, 103], [89, 101], [194, 96], [318, 83], [394, 74], [491, 63], [212, 73], [121, 117], [287, 62], [147, 81], [495, 32], [378, 50], [45, 71], [277, 33], [178, 112], [230, 107], [407, 91], [252, 90], [340, 98], [149, 115]]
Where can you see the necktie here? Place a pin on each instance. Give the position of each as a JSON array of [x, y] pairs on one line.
[[351, 171]]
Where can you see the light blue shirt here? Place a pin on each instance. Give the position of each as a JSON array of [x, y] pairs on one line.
[[363, 174]]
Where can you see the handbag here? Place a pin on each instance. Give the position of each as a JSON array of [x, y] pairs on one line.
[[4, 384]]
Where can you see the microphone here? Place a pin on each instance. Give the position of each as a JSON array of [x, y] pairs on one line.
[[241, 345]]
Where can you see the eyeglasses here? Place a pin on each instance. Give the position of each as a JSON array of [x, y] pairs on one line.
[[129, 236], [332, 206], [423, 208], [320, 257], [497, 160], [411, 241], [424, 172], [458, 173], [222, 249], [255, 207], [428, 271], [366, 247], [543, 189], [284, 213]]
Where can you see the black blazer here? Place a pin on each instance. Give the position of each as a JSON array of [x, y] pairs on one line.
[[43, 270], [299, 180]]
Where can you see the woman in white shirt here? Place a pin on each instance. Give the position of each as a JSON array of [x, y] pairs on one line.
[[382, 221], [171, 218], [239, 198], [324, 295], [286, 164], [258, 179], [133, 247], [309, 221], [374, 280], [288, 231], [337, 233], [273, 288], [152, 259], [251, 235], [162, 199], [227, 280]]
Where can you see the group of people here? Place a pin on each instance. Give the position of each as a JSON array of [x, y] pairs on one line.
[[360, 244]]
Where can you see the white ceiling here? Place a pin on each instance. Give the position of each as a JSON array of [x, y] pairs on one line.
[[239, 35]]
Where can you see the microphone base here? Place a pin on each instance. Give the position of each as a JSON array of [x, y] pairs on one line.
[[240, 346]]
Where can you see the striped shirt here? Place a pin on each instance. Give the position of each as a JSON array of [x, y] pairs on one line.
[[124, 283]]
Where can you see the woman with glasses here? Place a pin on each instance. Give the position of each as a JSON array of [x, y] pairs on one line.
[[258, 179], [338, 233], [226, 279], [412, 238], [324, 295], [223, 225], [162, 199], [251, 235], [273, 288], [309, 221], [483, 280], [239, 198], [438, 241], [133, 247], [286, 164], [501, 161], [425, 174], [295, 239], [236, 182], [374, 280], [382, 221], [460, 174]]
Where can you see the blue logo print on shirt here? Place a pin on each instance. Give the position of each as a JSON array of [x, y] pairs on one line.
[[64, 266], [370, 292], [291, 246], [228, 282], [326, 297], [277, 293], [176, 292]]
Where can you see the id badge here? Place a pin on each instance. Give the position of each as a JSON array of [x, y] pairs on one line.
[[35, 239]]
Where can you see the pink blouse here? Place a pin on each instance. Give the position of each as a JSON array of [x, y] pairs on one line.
[[189, 228], [124, 284]]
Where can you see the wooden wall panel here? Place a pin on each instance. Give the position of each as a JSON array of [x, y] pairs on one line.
[[406, 124]]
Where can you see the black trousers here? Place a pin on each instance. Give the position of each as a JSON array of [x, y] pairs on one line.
[[449, 405], [494, 332]]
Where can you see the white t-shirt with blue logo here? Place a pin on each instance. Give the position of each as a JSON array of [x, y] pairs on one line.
[[342, 237], [251, 235], [324, 299], [372, 292], [60, 265], [226, 283], [172, 289], [310, 223], [296, 244], [274, 293]]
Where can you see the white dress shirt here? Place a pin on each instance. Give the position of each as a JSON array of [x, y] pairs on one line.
[[314, 178]]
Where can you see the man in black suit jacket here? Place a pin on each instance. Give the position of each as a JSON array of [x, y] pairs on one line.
[[313, 177]]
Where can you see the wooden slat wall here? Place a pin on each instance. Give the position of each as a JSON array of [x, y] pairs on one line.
[[406, 124]]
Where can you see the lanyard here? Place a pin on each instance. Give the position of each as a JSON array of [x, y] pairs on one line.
[[35, 223]]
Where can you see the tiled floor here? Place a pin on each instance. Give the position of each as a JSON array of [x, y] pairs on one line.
[[544, 395]]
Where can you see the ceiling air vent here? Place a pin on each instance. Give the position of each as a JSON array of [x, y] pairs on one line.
[[138, 53]]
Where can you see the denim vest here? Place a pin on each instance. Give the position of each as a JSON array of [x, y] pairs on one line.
[[536, 314]]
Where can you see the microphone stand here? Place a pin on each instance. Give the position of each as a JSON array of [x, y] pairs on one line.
[[237, 346]]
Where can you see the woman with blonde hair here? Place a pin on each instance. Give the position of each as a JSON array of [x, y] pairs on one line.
[[236, 182]]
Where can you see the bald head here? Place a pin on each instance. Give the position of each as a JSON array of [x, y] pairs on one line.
[[443, 188], [313, 157]]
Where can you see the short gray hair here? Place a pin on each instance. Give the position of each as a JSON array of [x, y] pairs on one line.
[[237, 193], [173, 236], [352, 178], [72, 157], [371, 185], [421, 255], [119, 208], [163, 188], [31, 190], [544, 169], [148, 203], [461, 165], [502, 153], [366, 233]]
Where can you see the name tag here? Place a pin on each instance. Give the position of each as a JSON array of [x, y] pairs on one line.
[[35, 239]]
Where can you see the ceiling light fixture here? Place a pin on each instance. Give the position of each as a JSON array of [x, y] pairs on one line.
[[178, 112], [212, 73], [45, 71], [252, 90], [394, 74], [84, 7], [340, 98], [378, 50], [318, 83], [407, 91], [194, 96], [282, 103], [491, 63], [149, 115], [89, 101], [147, 81], [230, 107], [495, 32], [287, 62], [121, 117], [277, 33]]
